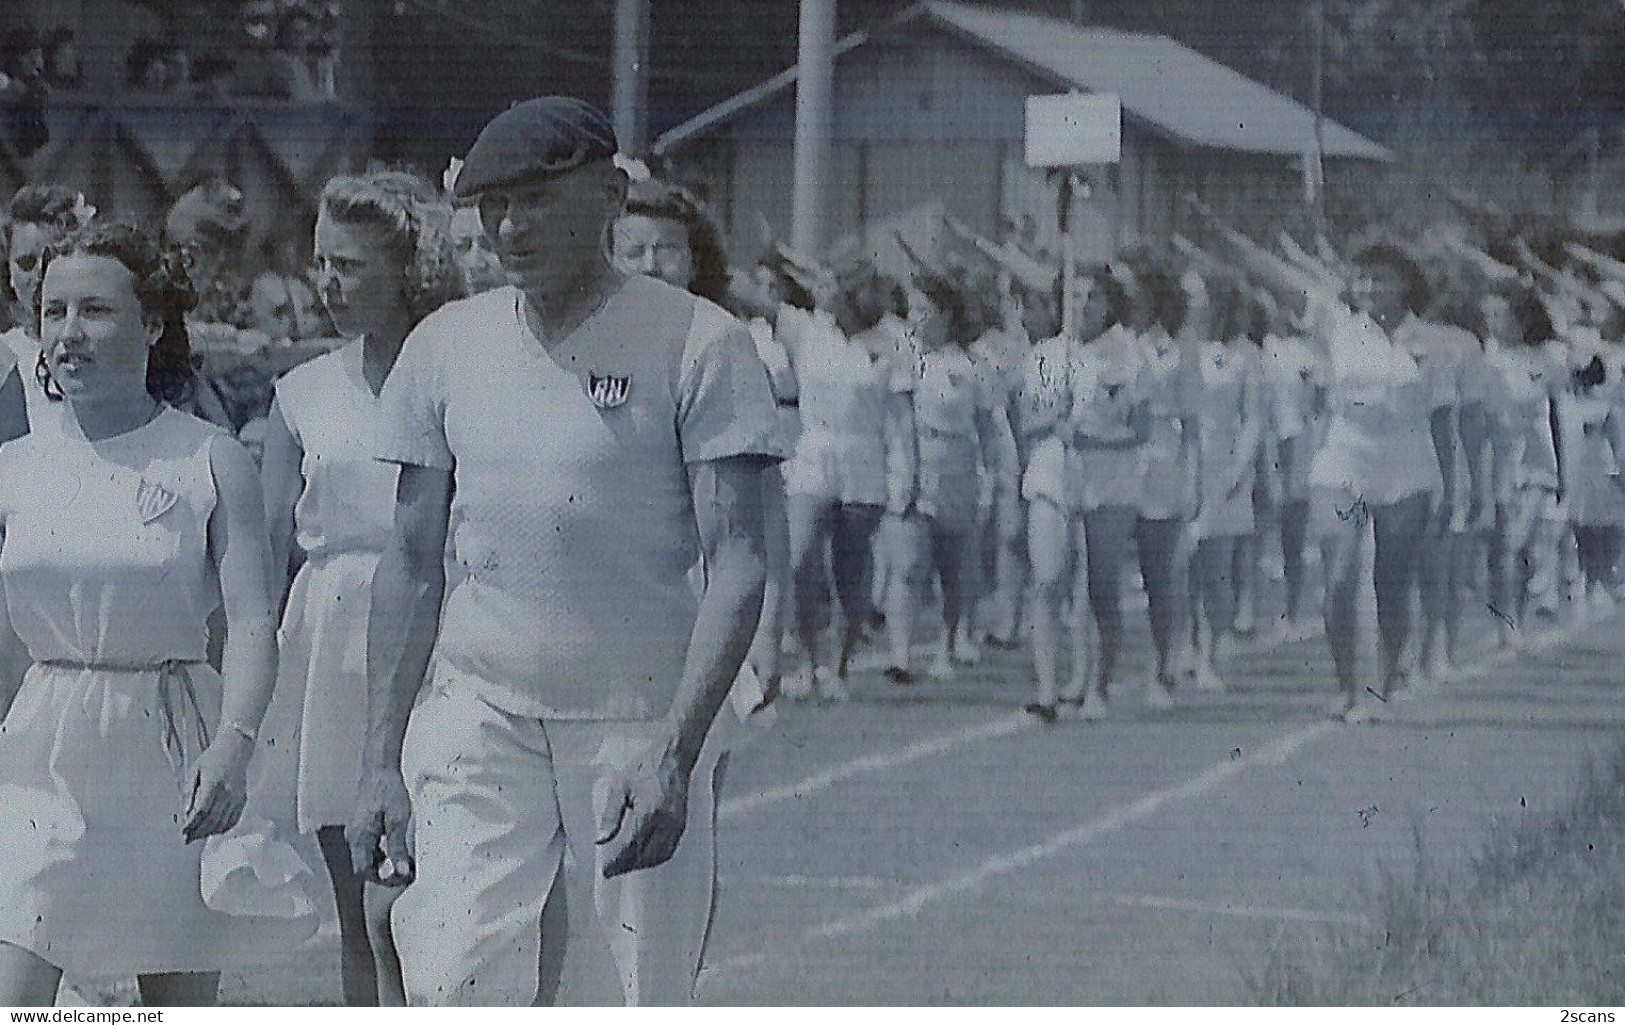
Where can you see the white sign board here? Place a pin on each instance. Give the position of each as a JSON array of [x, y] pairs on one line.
[[1074, 128]]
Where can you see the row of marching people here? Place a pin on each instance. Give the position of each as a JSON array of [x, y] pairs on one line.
[[1440, 417]]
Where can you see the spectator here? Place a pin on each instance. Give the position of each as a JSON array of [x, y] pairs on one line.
[[61, 55], [23, 91]]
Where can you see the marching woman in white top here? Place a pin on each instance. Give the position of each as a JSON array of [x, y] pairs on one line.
[[933, 478], [123, 533], [1297, 397], [1529, 372], [1230, 428], [1085, 421], [1168, 496], [836, 481], [1596, 497], [384, 262], [1388, 452]]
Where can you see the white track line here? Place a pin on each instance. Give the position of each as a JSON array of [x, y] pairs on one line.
[[1140, 900], [940, 743], [1087, 833], [1116, 819], [878, 762], [823, 882]]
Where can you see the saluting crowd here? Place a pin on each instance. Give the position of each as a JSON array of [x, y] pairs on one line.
[[472, 611]]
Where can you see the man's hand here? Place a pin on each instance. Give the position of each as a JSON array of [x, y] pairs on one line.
[[644, 814], [383, 814]]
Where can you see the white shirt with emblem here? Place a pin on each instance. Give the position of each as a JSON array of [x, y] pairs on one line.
[[574, 527]]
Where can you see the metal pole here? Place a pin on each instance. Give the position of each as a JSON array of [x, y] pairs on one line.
[[1069, 256], [630, 100], [814, 125], [1316, 173]]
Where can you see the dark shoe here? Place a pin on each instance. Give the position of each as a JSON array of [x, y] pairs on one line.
[[1044, 712], [898, 675]]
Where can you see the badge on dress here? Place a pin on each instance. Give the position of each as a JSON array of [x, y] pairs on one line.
[[608, 392], [152, 500]]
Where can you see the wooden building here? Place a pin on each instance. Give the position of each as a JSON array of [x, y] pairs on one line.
[[930, 105]]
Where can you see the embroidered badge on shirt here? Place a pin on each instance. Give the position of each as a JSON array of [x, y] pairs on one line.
[[608, 392], [153, 500]]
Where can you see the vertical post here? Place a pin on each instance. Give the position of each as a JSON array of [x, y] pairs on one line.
[[1069, 256], [814, 125], [630, 102], [1315, 172]]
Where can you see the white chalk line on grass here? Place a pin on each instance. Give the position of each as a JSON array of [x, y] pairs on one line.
[[921, 897], [1269, 913], [937, 744], [880, 761], [1116, 819], [1086, 833]]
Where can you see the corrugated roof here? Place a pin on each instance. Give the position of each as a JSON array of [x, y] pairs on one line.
[[1171, 87]]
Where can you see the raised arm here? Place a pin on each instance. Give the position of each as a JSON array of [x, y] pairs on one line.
[[1605, 265], [1291, 286], [402, 627], [647, 808]]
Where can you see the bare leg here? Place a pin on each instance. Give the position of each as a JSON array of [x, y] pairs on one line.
[[386, 963], [1216, 561], [909, 575], [1085, 641], [767, 646], [26, 979], [1399, 532], [1110, 531], [1294, 521], [1340, 556], [357, 975], [1158, 544], [808, 522], [852, 540], [1049, 546]]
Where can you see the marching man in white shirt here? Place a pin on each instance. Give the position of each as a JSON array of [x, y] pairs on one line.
[[589, 435]]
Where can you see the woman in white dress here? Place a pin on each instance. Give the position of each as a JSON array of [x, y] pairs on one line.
[[1529, 373], [933, 482], [122, 747], [1387, 455], [1168, 487], [836, 481], [384, 263], [1296, 393], [1230, 429], [1596, 496], [1085, 419]]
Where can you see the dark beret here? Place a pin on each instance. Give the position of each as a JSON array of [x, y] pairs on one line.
[[538, 138]]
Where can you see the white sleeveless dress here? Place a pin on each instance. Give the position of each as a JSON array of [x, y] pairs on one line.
[[343, 524], [109, 584]]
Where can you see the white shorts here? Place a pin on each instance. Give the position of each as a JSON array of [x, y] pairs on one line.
[[502, 803]]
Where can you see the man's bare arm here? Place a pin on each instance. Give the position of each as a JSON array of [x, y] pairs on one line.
[[646, 819]]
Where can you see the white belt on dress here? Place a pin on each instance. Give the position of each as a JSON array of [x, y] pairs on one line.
[[185, 734]]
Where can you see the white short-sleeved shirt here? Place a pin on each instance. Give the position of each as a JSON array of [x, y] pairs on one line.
[[1524, 381], [1172, 388], [1095, 386], [573, 523], [1379, 439]]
